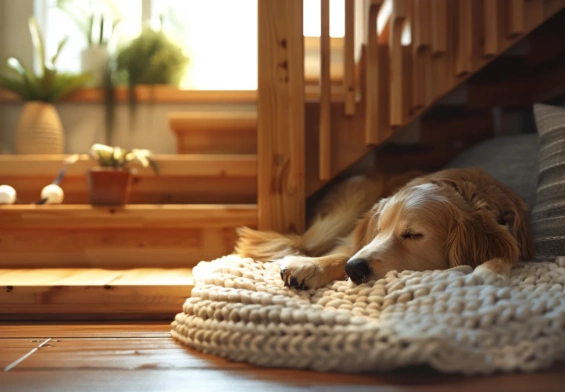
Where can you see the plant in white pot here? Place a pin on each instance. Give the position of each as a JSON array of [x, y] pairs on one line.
[[109, 183], [97, 31], [39, 129]]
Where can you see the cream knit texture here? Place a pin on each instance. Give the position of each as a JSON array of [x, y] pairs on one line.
[[453, 320]]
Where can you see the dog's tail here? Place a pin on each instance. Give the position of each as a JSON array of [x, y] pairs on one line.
[[320, 238], [267, 245]]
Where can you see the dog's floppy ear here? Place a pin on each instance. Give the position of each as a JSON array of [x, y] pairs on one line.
[[475, 237], [367, 228], [514, 216], [517, 220]]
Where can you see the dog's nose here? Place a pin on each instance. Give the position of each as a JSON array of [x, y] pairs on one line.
[[358, 270]]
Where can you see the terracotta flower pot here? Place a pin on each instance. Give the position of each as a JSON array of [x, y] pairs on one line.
[[39, 130], [108, 187]]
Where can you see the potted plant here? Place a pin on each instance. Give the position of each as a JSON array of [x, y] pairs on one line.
[[109, 183], [152, 59], [39, 129], [97, 31]]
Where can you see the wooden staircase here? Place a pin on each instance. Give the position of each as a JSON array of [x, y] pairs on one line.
[[258, 168]]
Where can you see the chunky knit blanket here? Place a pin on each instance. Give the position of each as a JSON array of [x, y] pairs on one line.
[[452, 320]]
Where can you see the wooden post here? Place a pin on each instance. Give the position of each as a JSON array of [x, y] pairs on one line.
[[373, 114], [398, 102], [325, 144], [349, 58], [491, 28], [421, 43], [464, 63], [280, 126]]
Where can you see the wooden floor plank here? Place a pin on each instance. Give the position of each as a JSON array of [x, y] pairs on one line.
[[142, 357], [164, 380], [93, 294], [117, 354], [81, 330]]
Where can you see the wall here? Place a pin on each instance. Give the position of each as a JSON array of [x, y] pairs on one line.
[[84, 125], [84, 122]]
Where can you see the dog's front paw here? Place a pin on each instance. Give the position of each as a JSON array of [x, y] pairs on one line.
[[491, 277], [301, 272]]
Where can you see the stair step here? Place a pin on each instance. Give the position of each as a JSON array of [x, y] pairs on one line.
[[82, 236], [93, 294], [215, 132], [183, 179]]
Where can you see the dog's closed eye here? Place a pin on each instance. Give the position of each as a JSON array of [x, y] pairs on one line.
[[411, 236]]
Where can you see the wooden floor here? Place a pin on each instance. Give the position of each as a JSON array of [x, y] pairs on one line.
[[142, 357]]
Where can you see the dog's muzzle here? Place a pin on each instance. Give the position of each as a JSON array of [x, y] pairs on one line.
[[358, 270]]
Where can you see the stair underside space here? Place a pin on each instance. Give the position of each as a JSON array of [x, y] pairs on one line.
[[93, 294]]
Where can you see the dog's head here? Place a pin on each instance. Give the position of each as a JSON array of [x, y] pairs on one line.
[[426, 227]]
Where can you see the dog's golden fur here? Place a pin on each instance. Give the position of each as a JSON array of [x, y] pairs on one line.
[[411, 222]]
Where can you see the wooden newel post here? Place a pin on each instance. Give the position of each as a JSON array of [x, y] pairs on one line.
[[280, 127]]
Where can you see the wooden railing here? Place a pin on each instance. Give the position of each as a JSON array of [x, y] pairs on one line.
[[414, 52]]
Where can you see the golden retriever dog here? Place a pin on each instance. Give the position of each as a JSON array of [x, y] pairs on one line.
[[370, 225]]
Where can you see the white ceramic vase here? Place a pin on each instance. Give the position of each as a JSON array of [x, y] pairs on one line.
[[94, 60], [39, 130]]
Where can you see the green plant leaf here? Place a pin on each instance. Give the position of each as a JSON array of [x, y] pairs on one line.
[[28, 79], [59, 49], [66, 84], [37, 40], [90, 25], [16, 86]]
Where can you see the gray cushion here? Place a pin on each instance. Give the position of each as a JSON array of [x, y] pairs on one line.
[[548, 215], [512, 160]]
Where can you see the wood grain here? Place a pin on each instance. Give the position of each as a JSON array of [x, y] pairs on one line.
[[190, 165], [325, 140], [153, 94], [127, 217], [131, 237], [439, 26], [398, 101], [125, 357], [373, 85], [491, 17], [93, 294], [464, 63], [281, 145], [349, 58], [215, 133], [516, 25], [421, 47], [183, 179]]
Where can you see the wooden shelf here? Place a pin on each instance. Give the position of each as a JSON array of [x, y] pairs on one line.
[[93, 294], [135, 236], [183, 179]]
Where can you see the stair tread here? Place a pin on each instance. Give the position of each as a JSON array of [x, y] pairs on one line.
[[89, 293], [169, 165], [130, 216], [95, 277]]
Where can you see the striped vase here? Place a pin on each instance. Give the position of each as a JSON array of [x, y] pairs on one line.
[[39, 130]]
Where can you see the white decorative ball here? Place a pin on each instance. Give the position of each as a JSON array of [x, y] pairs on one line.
[[7, 194], [53, 193]]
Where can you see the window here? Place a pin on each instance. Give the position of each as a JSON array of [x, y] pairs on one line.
[[219, 36]]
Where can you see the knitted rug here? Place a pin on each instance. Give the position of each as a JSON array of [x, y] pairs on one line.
[[452, 320]]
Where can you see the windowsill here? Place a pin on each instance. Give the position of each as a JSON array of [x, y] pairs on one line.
[[152, 94], [169, 95]]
